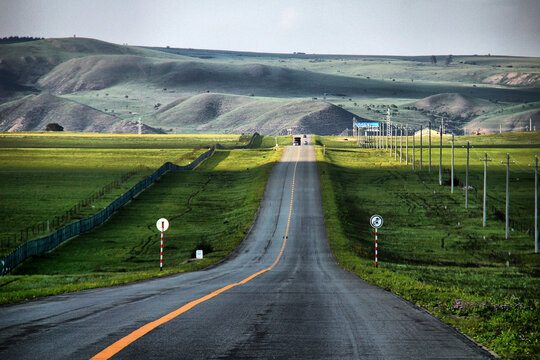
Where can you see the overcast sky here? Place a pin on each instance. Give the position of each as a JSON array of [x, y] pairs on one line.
[[389, 27]]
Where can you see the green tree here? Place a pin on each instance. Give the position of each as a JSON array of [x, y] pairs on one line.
[[54, 127]]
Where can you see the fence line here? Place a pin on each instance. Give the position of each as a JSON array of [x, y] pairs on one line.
[[47, 243], [57, 221]]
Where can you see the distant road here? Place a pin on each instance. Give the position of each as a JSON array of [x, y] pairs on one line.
[[272, 299]]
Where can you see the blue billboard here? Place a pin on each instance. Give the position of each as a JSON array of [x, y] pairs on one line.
[[365, 124]]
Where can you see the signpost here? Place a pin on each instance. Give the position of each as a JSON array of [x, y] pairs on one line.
[[376, 222], [162, 225]]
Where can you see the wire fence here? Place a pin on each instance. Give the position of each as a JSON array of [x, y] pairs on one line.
[[60, 220], [49, 242]]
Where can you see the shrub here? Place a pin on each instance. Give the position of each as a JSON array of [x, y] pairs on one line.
[[54, 127]]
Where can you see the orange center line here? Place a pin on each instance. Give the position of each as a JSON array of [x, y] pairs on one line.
[[110, 351]]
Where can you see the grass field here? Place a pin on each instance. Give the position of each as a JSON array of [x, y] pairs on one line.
[[208, 208], [39, 184], [115, 141], [46, 174], [433, 251]]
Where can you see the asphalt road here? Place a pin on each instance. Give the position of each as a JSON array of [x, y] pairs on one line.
[[304, 306]]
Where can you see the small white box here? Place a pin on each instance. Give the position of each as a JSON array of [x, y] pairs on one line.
[[199, 254]]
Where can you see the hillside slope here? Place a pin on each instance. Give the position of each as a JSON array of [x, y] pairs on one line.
[[34, 112], [455, 105], [102, 71], [25, 62], [512, 122], [241, 114]]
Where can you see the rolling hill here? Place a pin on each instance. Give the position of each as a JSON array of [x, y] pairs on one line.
[[92, 85], [509, 122], [218, 113], [455, 105], [34, 112], [24, 63]]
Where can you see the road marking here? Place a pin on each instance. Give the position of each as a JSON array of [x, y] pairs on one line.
[[128, 339]]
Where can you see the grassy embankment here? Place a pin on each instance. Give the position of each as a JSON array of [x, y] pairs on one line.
[[433, 251], [46, 174], [211, 208]]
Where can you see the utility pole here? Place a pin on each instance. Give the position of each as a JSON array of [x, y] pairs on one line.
[[485, 189], [440, 157], [401, 145], [507, 193], [383, 128], [395, 143], [452, 168], [467, 180], [421, 149], [442, 124], [413, 151], [367, 140], [381, 133], [406, 144], [391, 138], [379, 136], [139, 125], [387, 128], [536, 204], [429, 134]]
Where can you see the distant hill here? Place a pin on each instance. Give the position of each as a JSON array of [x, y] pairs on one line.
[[24, 63], [99, 72], [243, 114], [93, 85], [33, 113], [512, 122], [455, 105]]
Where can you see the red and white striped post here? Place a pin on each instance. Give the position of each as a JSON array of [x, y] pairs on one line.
[[161, 252], [376, 222], [376, 259], [162, 225]]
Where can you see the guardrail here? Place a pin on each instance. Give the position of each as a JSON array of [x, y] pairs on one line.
[[49, 242]]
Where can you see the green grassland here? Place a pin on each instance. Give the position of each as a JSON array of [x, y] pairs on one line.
[[433, 251], [114, 141], [211, 208], [208, 208], [46, 174], [40, 184]]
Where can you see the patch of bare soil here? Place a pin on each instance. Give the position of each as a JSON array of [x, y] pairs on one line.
[[514, 79]]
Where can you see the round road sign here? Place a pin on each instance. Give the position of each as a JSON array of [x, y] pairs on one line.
[[162, 224], [376, 221]]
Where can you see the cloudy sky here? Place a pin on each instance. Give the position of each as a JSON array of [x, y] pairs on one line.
[[390, 27]]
